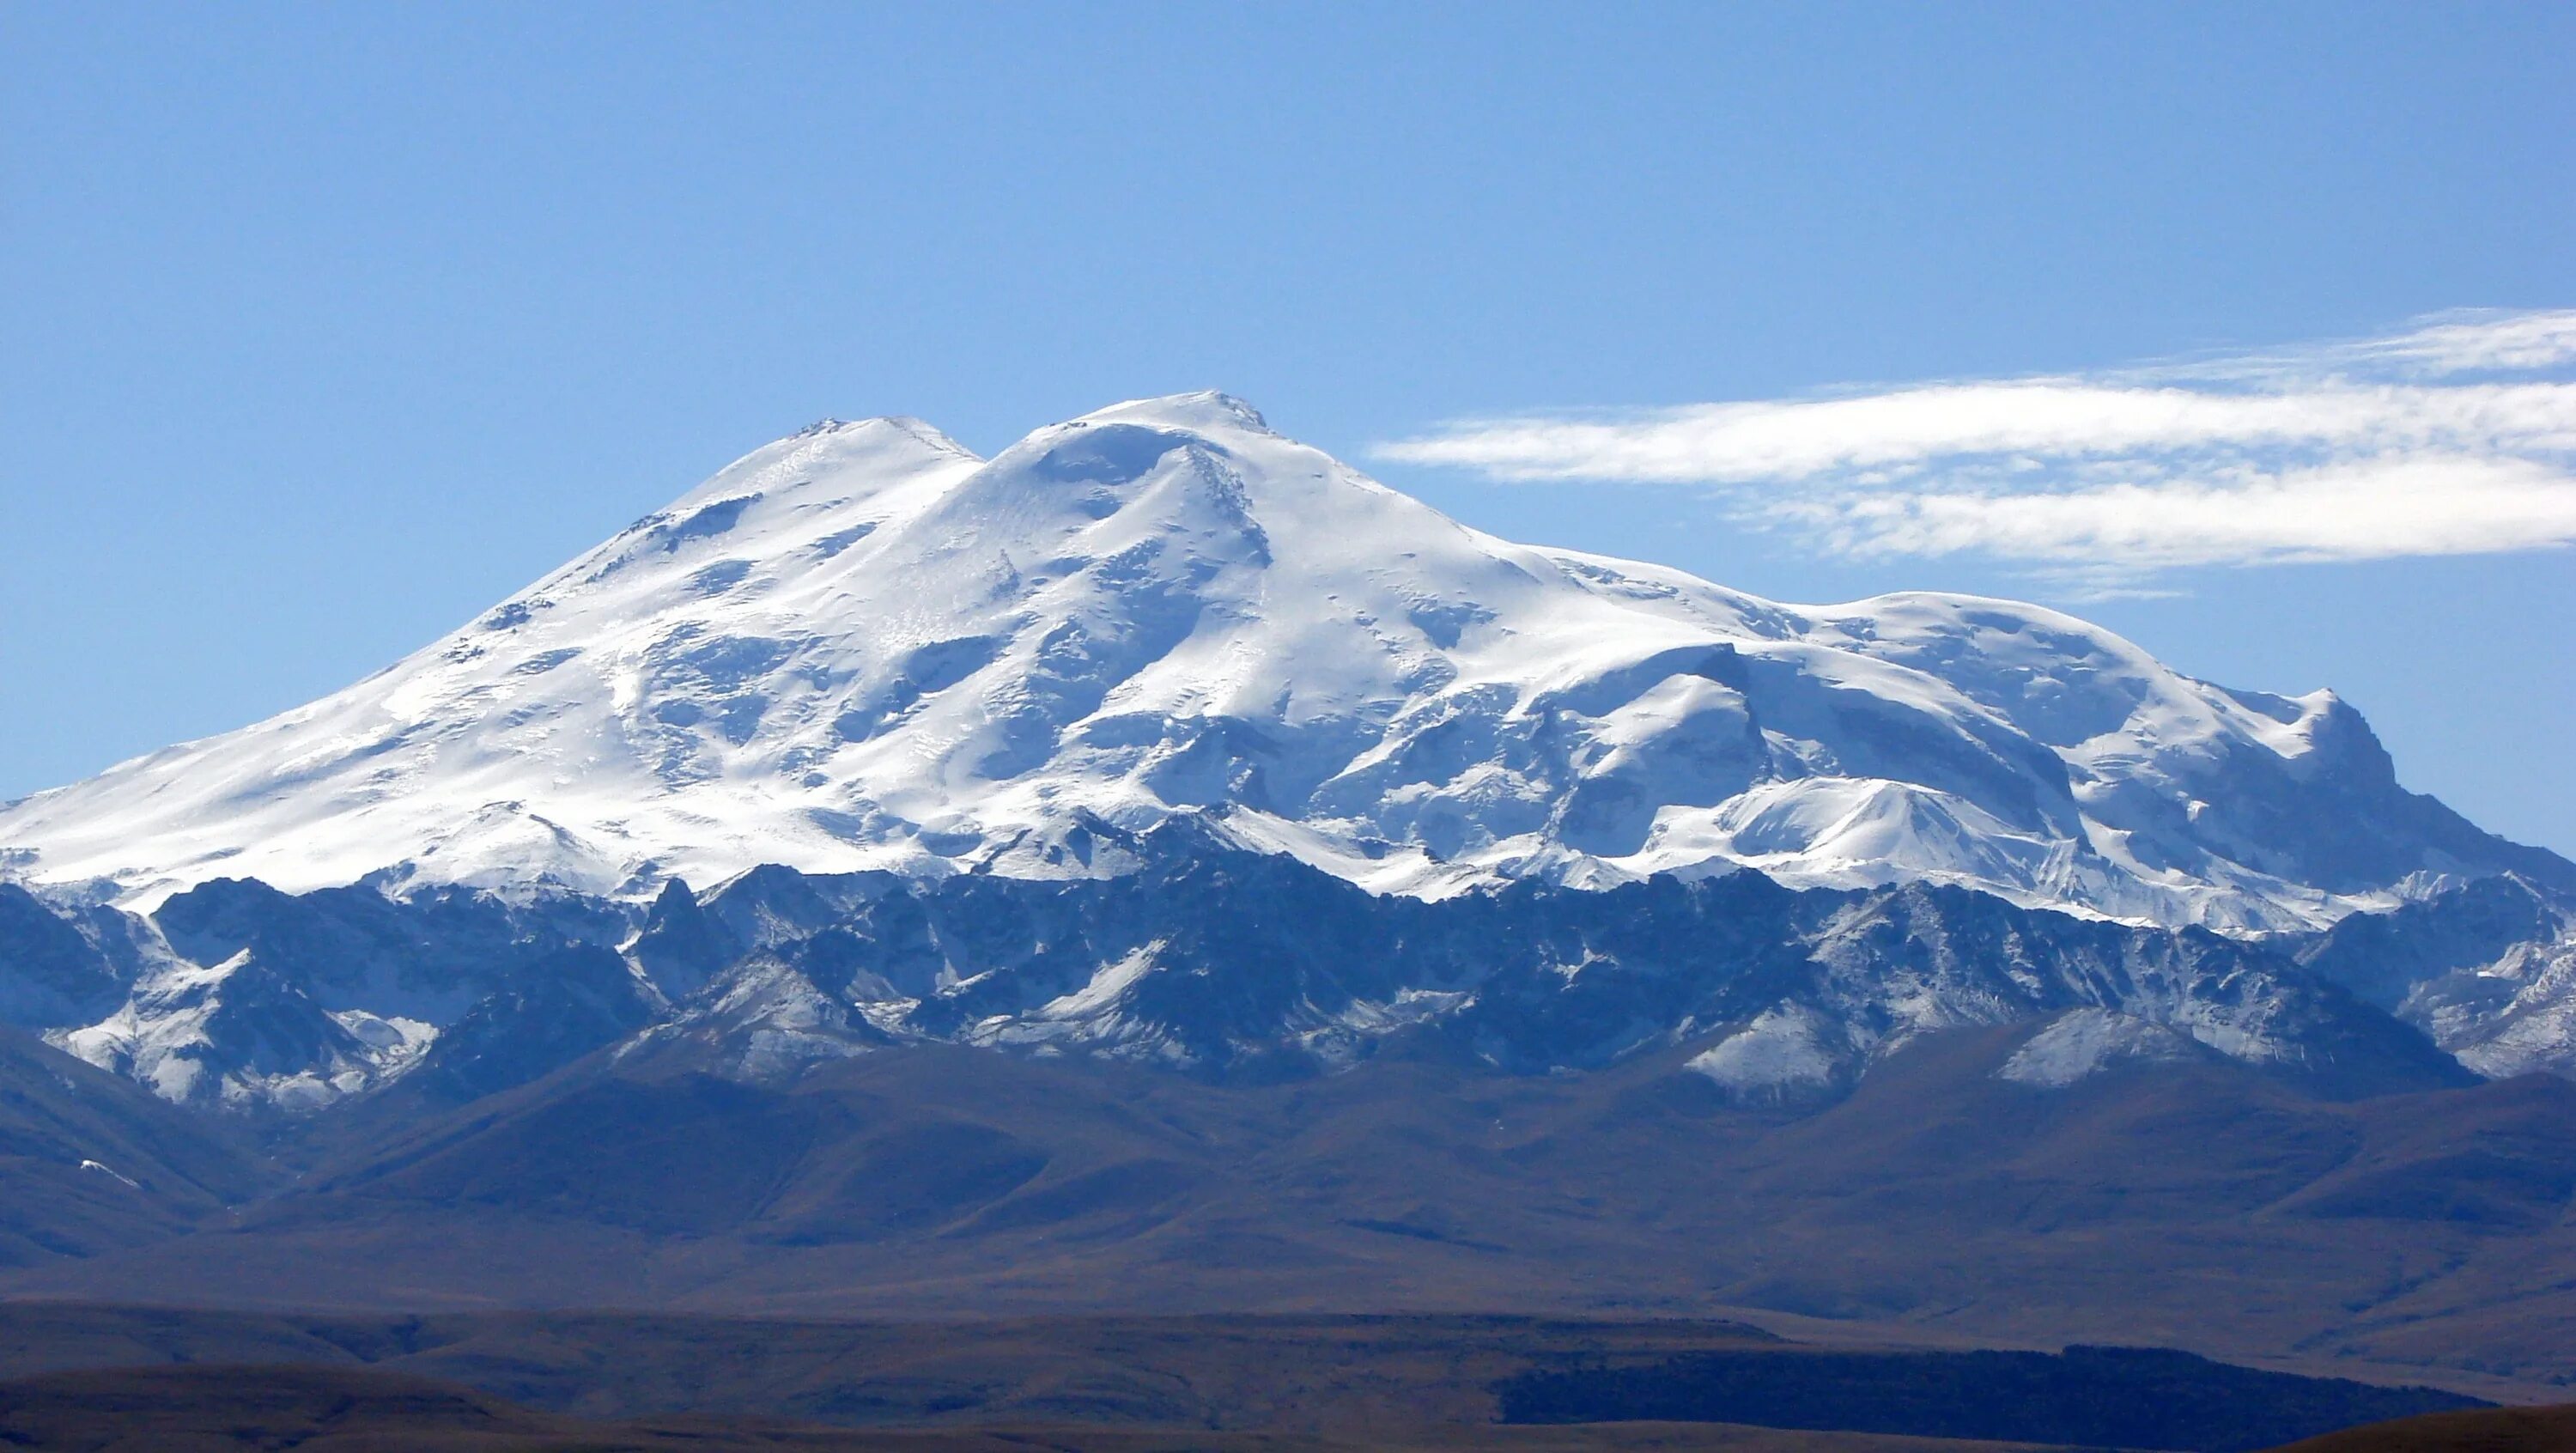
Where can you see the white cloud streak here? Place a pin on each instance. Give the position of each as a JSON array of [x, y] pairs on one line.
[[2473, 342], [2408, 445], [2370, 510]]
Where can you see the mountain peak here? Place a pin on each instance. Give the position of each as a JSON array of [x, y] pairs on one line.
[[1206, 411]]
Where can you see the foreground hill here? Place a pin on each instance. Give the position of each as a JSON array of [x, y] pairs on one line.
[[2205, 1205], [90, 1162], [2489, 1430], [1139, 1384]]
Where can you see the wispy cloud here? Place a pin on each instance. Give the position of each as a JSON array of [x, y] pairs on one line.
[[2455, 437]]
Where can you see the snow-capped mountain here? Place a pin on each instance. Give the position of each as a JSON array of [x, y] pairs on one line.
[[1159, 859], [863, 647]]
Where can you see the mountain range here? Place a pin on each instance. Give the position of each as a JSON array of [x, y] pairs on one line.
[[1160, 866]]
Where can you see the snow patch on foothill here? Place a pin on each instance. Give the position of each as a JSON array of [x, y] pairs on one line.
[[1783, 1052], [2084, 1042]]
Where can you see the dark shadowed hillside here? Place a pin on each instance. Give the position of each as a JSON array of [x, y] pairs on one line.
[[2204, 1206], [1229, 1382], [91, 1163], [2488, 1430]]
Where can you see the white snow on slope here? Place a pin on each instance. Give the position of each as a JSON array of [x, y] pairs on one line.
[[1786, 1051], [165, 1038], [864, 647], [2082, 1043], [2515, 1016]]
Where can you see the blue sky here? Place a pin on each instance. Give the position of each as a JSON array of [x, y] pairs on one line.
[[323, 327]]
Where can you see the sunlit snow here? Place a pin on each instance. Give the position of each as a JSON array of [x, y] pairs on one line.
[[864, 647]]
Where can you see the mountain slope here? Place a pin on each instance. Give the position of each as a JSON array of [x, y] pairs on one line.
[[2206, 1205], [90, 1163], [863, 647]]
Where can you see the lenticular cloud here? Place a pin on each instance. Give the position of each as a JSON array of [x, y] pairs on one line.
[[2455, 437]]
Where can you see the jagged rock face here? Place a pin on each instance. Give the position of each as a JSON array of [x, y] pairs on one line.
[[240, 1034], [1206, 959], [578, 999], [2487, 969], [50, 973], [865, 648], [237, 995]]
